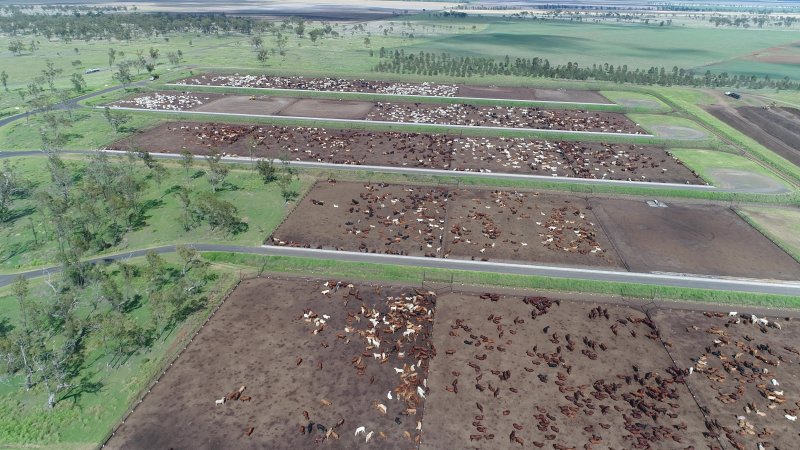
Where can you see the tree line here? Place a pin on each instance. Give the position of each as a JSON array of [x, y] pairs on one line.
[[444, 64]]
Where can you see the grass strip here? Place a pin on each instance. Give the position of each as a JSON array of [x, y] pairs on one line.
[[407, 274]]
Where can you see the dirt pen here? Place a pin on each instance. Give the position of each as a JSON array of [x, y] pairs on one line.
[[308, 363], [418, 150], [523, 226], [426, 113], [388, 87]]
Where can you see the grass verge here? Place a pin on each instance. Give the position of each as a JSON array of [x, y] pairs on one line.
[[406, 274]]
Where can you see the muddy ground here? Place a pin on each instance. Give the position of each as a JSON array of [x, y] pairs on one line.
[[553, 374], [290, 365], [388, 87], [734, 363], [419, 150], [696, 239], [493, 371], [775, 128], [455, 114], [503, 116], [442, 223], [523, 226]]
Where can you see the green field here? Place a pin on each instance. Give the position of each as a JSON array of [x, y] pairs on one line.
[[712, 165], [260, 206], [638, 46], [782, 225]]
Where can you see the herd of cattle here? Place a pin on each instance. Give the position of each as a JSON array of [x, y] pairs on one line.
[[503, 116], [322, 84]]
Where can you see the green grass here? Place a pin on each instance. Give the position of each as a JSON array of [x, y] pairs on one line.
[[408, 274], [781, 225], [705, 162], [260, 206], [689, 100], [637, 101], [672, 127], [83, 422], [89, 131], [638, 46]]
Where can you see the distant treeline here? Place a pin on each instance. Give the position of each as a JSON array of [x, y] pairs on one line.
[[430, 64], [124, 27]]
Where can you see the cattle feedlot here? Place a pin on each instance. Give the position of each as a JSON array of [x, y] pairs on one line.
[[420, 225], [415, 368]]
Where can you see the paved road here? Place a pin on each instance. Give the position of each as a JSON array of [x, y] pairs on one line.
[[652, 279], [71, 103]]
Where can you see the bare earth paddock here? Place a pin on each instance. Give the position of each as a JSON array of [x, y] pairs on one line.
[[523, 226], [418, 150], [490, 371]]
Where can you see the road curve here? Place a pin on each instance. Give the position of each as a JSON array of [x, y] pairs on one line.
[[575, 273], [71, 103]]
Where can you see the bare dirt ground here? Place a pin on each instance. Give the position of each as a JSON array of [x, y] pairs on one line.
[[555, 375], [458, 223], [304, 351], [320, 359], [334, 109], [510, 225], [734, 363], [775, 128], [419, 150], [245, 105], [524, 226], [371, 218], [696, 239], [386, 87], [502, 116]]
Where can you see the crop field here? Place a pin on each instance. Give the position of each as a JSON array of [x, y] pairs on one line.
[[586, 43], [776, 128], [454, 114], [396, 88], [510, 225], [467, 370], [418, 150]]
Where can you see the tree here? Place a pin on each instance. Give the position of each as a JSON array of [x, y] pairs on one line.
[[78, 82], [4, 80], [50, 73], [112, 56], [123, 74], [256, 41], [266, 170], [367, 42], [173, 58], [184, 195], [16, 47], [220, 214], [217, 171], [117, 119], [187, 160], [153, 53], [10, 187], [263, 56], [288, 175]]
